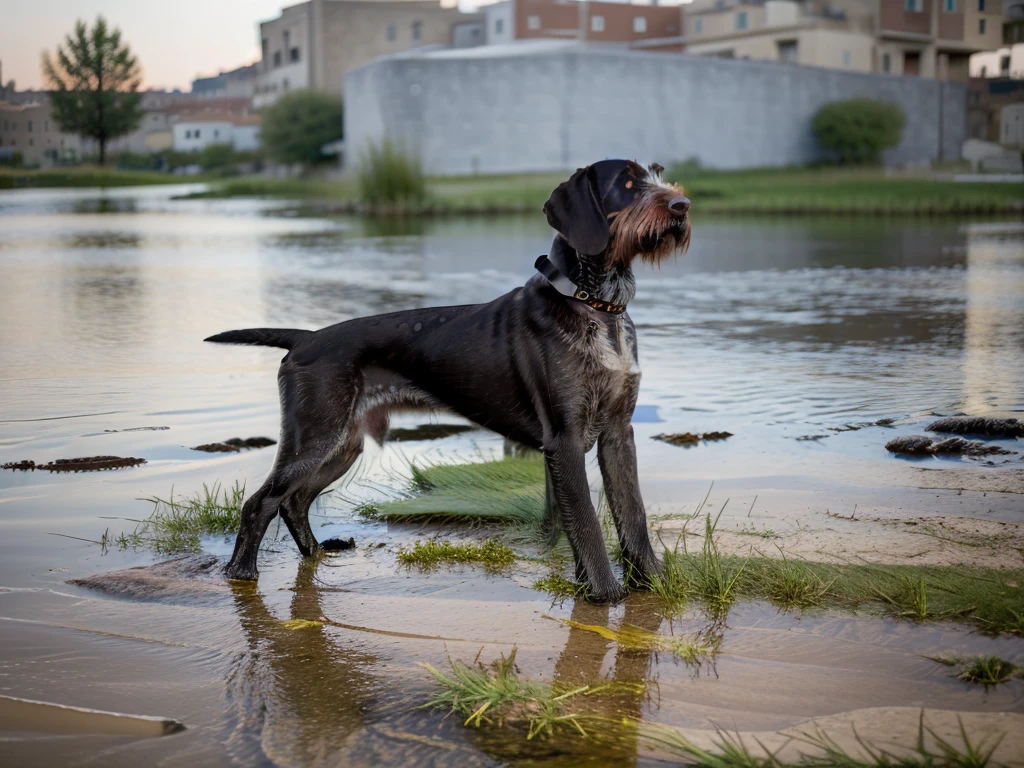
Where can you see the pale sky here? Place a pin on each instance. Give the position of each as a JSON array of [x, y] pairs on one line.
[[174, 40]]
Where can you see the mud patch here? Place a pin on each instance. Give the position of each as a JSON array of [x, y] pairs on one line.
[[688, 438], [978, 425], [84, 464], [235, 444], [181, 579], [922, 445]]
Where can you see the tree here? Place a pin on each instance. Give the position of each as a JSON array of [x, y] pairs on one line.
[[295, 128], [857, 130], [94, 82]]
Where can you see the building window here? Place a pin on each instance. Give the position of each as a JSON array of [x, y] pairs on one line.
[[741, 20], [30, 126], [31, 142], [597, 23], [698, 26], [197, 133], [913, 6], [533, 22], [277, 59], [294, 54], [886, 62], [216, 133], [981, 27], [639, 24], [417, 30], [981, 6], [188, 134], [950, 6], [263, 48], [789, 52], [499, 24], [392, 33], [286, 36]]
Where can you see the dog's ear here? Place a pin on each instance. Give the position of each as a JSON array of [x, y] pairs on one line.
[[574, 210]]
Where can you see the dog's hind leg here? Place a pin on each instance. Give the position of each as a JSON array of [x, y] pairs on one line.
[[295, 506], [314, 414]]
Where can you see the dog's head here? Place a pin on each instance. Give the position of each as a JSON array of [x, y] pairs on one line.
[[618, 210]]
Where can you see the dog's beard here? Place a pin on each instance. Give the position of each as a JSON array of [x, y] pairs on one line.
[[647, 230]]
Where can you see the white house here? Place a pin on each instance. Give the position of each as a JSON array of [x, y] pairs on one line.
[[195, 133]]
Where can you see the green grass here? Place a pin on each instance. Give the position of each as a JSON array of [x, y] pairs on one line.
[[87, 176], [756, 191], [176, 524], [730, 751], [992, 600], [509, 491], [497, 696], [389, 175], [558, 586], [982, 670], [492, 554], [838, 191]]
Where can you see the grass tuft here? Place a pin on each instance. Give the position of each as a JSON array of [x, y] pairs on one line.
[[389, 175], [986, 671], [557, 585], [492, 554], [176, 524]]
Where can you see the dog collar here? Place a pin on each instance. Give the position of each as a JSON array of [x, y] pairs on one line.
[[567, 287]]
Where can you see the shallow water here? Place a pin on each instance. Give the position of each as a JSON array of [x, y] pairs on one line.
[[772, 329]]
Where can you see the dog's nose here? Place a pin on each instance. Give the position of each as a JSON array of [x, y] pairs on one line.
[[679, 205]]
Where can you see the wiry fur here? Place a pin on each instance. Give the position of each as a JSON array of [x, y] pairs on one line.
[[546, 371]]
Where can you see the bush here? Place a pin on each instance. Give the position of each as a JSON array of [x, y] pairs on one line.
[[299, 124], [132, 161], [12, 160], [388, 175], [857, 130]]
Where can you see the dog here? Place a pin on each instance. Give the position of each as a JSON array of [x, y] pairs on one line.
[[551, 365]]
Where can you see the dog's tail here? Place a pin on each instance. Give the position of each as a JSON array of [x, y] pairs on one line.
[[285, 338]]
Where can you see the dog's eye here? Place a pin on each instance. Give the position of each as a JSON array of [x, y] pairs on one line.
[[629, 185]]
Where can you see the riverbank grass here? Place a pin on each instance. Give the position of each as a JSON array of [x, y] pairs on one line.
[[986, 671], [87, 176], [829, 190]]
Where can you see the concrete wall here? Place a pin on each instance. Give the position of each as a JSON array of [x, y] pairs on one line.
[[506, 111]]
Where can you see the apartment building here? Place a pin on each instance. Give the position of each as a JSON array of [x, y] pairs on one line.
[[235, 83], [194, 133], [1008, 60], [313, 44], [924, 38], [647, 26], [28, 129]]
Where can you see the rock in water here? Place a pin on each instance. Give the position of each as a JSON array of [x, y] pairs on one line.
[[978, 425], [922, 445]]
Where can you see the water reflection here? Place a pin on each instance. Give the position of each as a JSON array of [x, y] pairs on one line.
[[299, 694]]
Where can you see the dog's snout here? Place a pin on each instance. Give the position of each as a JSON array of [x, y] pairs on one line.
[[679, 205]]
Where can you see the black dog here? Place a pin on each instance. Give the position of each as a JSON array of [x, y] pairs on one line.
[[551, 365]]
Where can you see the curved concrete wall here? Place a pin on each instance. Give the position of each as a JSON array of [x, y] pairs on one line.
[[492, 112]]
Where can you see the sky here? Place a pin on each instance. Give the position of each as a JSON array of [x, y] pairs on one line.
[[174, 40]]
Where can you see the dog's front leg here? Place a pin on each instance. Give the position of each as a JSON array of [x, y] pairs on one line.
[[566, 461], [616, 454]]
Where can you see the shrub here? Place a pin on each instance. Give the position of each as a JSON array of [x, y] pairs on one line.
[[857, 130], [299, 124], [389, 175]]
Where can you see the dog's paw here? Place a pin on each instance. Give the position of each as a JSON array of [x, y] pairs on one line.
[[236, 572], [612, 594]]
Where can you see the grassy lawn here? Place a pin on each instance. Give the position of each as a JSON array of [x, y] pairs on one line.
[[87, 176], [793, 191], [766, 190]]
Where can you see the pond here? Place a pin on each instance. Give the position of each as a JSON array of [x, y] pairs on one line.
[[796, 335]]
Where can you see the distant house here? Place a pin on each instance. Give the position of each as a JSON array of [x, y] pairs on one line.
[[197, 132], [315, 43], [28, 130]]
